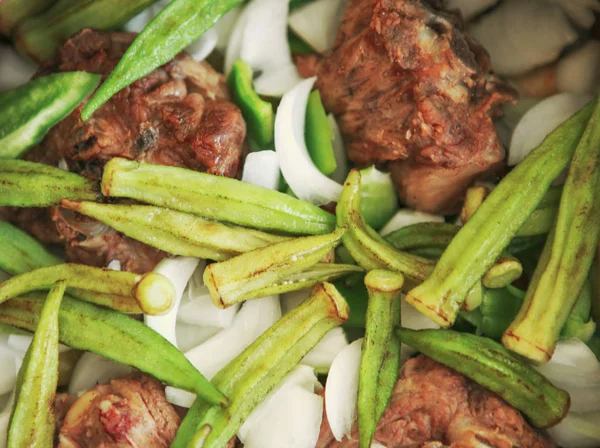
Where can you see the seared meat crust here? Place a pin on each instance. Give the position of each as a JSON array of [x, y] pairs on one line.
[[412, 91]]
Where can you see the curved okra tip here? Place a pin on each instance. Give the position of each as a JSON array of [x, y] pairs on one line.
[[20, 252], [32, 419], [214, 197], [567, 257], [281, 267], [150, 293], [490, 364], [176, 232], [84, 326], [249, 378], [474, 197], [383, 314], [30, 184]]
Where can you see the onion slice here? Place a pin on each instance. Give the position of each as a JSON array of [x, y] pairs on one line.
[[406, 217], [299, 171], [262, 168], [327, 13], [92, 369], [322, 355], [14, 68], [5, 420]]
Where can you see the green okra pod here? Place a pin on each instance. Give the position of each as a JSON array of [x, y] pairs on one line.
[[281, 267], [567, 257], [214, 197], [249, 378], [116, 336], [505, 271], [15, 11], [173, 29], [32, 418], [580, 324], [483, 238], [28, 112], [383, 315], [490, 364], [176, 232], [127, 292], [21, 252], [30, 184], [474, 197]]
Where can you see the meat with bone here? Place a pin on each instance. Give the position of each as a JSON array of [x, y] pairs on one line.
[[413, 92], [178, 115], [434, 406], [128, 412]]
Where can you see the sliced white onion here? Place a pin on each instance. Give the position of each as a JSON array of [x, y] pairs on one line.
[[20, 343], [339, 152], [415, 320], [290, 416], [579, 71], [470, 8], [190, 336], [578, 430], [580, 11], [5, 420], [234, 43], [262, 168], [14, 68], [406, 217], [341, 390], [8, 366], [92, 369], [323, 354], [299, 171], [113, 265], [327, 13], [540, 120], [178, 270], [293, 299], [253, 319], [224, 27]]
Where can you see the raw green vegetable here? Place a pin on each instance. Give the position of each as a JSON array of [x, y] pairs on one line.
[[488, 363], [30, 184], [258, 114], [28, 112], [281, 267], [579, 324], [498, 309], [176, 232], [116, 336], [32, 419], [353, 289], [567, 258], [379, 200], [127, 292], [249, 378], [20, 252], [15, 11], [318, 135], [474, 197], [375, 385], [173, 29], [483, 238], [505, 271], [214, 197]]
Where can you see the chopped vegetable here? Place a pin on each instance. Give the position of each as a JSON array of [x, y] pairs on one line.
[[176, 232], [318, 135], [580, 324], [29, 111], [482, 239], [32, 419], [214, 197], [253, 374], [378, 199], [474, 197], [116, 336], [262, 168], [491, 365], [505, 271], [406, 217], [258, 114], [327, 13], [180, 23], [14, 11], [123, 291]]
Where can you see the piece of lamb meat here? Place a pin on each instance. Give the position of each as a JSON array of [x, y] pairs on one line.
[[433, 406], [412, 92], [178, 115]]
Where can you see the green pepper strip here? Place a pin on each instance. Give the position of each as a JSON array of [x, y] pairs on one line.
[[488, 363], [29, 184], [40, 36], [15, 11], [127, 292], [567, 257], [20, 252], [383, 314], [32, 419], [483, 238], [257, 113], [176, 232], [115, 336], [174, 28], [214, 197], [282, 267], [318, 135], [249, 378]]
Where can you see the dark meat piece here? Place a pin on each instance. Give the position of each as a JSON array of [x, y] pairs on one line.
[[178, 115], [129, 412], [434, 406], [413, 92]]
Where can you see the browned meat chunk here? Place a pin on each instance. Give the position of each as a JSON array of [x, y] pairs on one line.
[[413, 92], [125, 413], [178, 115], [434, 406]]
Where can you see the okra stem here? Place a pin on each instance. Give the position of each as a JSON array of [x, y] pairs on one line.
[[483, 238]]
